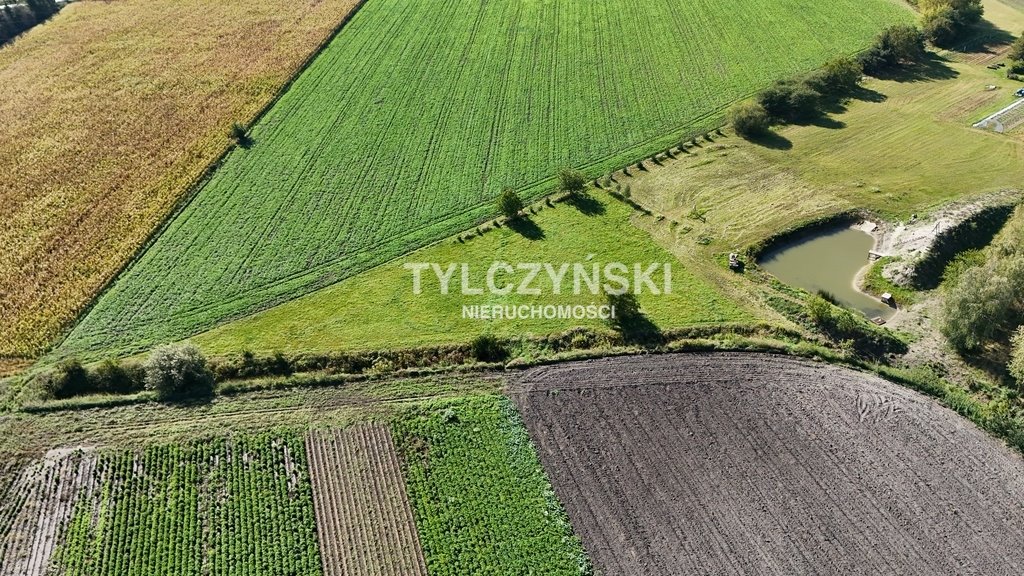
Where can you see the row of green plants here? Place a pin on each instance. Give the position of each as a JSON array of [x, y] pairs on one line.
[[482, 502], [239, 506]]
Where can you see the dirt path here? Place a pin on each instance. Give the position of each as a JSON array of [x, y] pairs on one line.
[[760, 464]]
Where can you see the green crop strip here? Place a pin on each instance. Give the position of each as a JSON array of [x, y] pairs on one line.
[[482, 502], [230, 506], [408, 125]]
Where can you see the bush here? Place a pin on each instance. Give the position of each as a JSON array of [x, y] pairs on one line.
[[510, 204], [573, 181], [1017, 49], [836, 77], [749, 119], [895, 46], [1016, 366], [239, 133], [176, 371], [487, 348], [982, 304], [789, 101], [112, 377], [940, 26], [69, 379]]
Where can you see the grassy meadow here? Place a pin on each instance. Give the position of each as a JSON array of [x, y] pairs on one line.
[[411, 121], [378, 309], [108, 113]]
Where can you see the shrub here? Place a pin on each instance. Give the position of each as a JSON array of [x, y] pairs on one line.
[[978, 307], [175, 371], [113, 377], [895, 46], [510, 204], [487, 348], [239, 133], [749, 119], [571, 181], [789, 101], [69, 379], [1016, 366], [836, 77], [1017, 49], [940, 26]]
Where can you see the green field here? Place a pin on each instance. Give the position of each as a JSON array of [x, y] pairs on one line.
[[418, 113], [228, 506], [350, 315], [482, 502]]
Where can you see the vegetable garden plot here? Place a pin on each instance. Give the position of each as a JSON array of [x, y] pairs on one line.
[[481, 500], [412, 120], [365, 524], [239, 507]]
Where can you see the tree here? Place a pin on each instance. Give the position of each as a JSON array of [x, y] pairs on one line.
[[749, 119], [175, 371], [510, 204], [571, 181], [1016, 365], [1017, 49], [940, 26], [789, 101], [977, 307], [839, 76], [69, 379], [905, 43]]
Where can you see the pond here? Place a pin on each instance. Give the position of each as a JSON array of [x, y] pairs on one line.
[[828, 261]]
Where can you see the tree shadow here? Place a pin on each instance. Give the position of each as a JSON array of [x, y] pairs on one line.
[[526, 228], [245, 142], [985, 38], [933, 67], [634, 326], [586, 204], [773, 140]]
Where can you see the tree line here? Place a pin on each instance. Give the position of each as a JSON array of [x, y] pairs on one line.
[[16, 18], [804, 98]]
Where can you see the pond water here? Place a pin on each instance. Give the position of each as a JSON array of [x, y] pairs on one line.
[[828, 261]]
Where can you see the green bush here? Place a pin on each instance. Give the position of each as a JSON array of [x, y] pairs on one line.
[[790, 101], [510, 204], [488, 348], [573, 181], [837, 77], [940, 26], [898, 45], [176, 371], [112, 377], [1017, 49], [749, 119], [69, 379]]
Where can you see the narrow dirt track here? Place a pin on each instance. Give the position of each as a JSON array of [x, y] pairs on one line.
[[761, 464]]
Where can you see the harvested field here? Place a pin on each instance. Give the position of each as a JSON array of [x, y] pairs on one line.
[[108, 113], [759, 464], [364, 521]]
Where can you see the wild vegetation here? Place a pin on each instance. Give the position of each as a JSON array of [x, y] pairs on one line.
[[482, 502], [108, 114], [985, 304], [391, 152]]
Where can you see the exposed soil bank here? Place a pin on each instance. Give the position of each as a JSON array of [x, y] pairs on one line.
[[760, 464]]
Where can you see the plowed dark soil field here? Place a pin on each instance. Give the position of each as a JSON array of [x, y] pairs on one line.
[[759, 464]]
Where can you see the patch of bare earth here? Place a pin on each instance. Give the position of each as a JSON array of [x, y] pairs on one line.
[[761, 464], [36, 507], [364, 520]]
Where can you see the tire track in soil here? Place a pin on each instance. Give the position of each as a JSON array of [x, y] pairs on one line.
[[760, 464]]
